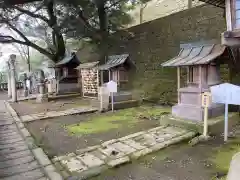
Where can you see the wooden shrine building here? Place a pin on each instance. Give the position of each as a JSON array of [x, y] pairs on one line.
[[66, 74], [117, 68], [89, 78], [202, 61]]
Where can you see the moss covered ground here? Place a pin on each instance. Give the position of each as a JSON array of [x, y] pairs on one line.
[[117, 119]]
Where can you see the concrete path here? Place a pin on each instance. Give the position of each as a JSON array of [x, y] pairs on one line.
[[16, 160], [52, 114]]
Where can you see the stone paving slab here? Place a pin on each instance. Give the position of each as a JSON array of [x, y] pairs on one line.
[[93, 160], [90, 160], [18, 169], [12, 145], [9, 137], [15, 155], [10, 134], [13, 150], [19, 157], [18, 161], [51, 114], [30, 175]]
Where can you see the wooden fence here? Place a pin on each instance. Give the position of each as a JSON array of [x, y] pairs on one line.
[[4, 86]]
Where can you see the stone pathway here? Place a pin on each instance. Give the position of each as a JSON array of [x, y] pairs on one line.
[[51, 114], [85, 163], [19, 157]]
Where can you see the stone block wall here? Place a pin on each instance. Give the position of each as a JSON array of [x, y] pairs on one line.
[[154, 42]]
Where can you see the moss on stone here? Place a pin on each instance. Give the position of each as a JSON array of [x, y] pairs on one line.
[[118, 119]]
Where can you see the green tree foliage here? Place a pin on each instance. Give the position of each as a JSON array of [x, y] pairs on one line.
[[50, 20]]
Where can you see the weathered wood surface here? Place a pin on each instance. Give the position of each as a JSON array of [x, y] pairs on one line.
[[4, 86]]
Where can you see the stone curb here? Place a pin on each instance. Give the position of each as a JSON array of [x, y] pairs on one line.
[[109, 162], [38, 153], [39, 116]]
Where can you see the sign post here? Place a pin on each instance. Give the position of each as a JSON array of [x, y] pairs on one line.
[[112, 99], [112, 88], [205, 104], [226, 123], [226, 94]]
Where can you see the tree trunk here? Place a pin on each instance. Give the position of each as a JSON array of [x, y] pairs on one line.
[[189, 4], [102, 15], [143, 6], [57, 37], [28, 60]]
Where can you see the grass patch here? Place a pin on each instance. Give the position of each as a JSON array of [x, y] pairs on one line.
[[117, 119], [223, 155]]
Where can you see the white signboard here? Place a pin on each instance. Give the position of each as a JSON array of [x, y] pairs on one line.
[[28, 84], [112, 86], [226, 94]]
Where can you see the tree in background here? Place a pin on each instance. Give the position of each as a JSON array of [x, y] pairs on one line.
[[143, 5], [50, 20], [24, 54]]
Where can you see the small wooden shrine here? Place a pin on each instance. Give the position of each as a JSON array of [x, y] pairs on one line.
[[118, 68], [202, 62], [89, 78], [66, 74]]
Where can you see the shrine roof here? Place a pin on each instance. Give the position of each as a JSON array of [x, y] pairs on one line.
[[88, 65], [114, 61], [218, 3], [69, 58], [196, 54]]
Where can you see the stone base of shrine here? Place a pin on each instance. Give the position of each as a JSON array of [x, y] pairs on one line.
[[40, 98], [196, 113], [215, 125]]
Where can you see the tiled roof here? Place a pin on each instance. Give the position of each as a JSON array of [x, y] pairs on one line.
[[114, 61], [218, 3], [196, 54], [87, 65]]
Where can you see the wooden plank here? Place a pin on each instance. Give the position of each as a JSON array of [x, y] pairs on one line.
[[178, 84], [200, 77], [189, 4], [228, 15], [232, 5]]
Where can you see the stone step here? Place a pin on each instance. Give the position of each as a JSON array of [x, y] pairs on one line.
[[117, 105], [215, 125], [121, 96], [124, 104]]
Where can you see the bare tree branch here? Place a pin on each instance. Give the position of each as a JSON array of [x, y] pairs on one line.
[[10, 39], [32, 14]]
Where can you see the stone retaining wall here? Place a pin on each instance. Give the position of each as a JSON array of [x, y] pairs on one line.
[[154, 42]]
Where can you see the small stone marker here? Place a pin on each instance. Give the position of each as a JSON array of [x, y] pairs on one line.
[[103, 96], [112, 88]]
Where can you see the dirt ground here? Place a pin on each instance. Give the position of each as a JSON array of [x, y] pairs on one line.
[[32, 107], [204, 161], [178, 162], [53, 136]]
